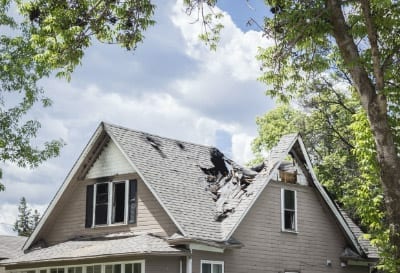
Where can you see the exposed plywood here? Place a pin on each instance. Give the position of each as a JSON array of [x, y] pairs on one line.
[[109, 163]]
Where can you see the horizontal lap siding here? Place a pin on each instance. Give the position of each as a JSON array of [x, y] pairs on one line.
[[268, 250], [68, 218]]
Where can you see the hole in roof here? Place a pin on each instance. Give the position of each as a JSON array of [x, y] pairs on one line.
[[180, 145]]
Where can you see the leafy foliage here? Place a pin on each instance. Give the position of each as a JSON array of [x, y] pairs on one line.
[[47, 37], [26, 221], [346, 48], [19, 92], [210, 20], [61, 30]]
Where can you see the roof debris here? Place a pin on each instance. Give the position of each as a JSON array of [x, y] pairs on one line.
[[227, 182]]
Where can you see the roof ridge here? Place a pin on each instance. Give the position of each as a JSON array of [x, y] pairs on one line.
[[156, 135]]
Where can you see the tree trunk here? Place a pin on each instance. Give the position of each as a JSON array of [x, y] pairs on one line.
[[375, 105]]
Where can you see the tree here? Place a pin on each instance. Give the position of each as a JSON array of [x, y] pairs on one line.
[[329, 144], [356, 42], [26, 221], [51, 37]]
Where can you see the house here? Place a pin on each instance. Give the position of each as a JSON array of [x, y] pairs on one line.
[[135, 202]]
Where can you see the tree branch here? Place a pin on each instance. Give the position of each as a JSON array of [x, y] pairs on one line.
[[373, 40]]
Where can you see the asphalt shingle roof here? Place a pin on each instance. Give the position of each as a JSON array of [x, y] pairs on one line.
[[172, 168], [369, 250], [100, 247], [11, 246]]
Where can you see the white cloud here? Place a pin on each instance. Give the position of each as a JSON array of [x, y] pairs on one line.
[[241, 147]]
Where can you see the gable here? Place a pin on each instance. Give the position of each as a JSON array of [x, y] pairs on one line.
[[101, 160], [110, 162]]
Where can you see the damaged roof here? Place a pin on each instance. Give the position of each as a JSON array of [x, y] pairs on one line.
[[205, 194], [176, 170]]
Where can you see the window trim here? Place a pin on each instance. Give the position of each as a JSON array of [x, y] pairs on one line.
[[283, 211], [102, 266], [211, 263], [110, 203]]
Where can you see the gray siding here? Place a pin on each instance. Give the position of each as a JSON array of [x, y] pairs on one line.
[[68, 218], [268, 250]]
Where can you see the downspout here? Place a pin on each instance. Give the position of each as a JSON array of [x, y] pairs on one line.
[[189, 261]]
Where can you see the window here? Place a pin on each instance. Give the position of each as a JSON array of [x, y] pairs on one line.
[[57, 270], [77, 269], [289, 210], [124, 267], [212, 266], [111, 203]]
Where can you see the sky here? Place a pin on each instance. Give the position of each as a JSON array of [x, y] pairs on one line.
[[172, 86]]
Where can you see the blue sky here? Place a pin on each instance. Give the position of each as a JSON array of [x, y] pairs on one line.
[[172, 85]]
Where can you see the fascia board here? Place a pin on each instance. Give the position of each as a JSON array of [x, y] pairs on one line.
[[146, 183], [328, 200], [278, 162], [63, 186]]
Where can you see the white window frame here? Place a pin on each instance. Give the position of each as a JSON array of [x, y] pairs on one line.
[[102, 266], [211, 263], [283, 211], [110, 203]]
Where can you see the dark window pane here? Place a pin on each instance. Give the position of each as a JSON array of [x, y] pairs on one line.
[[60, 270], [43, 271], [117, 268], [78, 269], [54, 270], [97, 269], [289, 220], [71, 270], [137, 268], [289, 199], [119, 203], [217, 268], [128, 268], [102, 193], [206, 268], [89, 269], [108, 268], [101, 214]]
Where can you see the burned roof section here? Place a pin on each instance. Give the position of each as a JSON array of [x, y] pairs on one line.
[[227, 182]]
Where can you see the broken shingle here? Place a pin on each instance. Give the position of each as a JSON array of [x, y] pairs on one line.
[[227, 182]]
